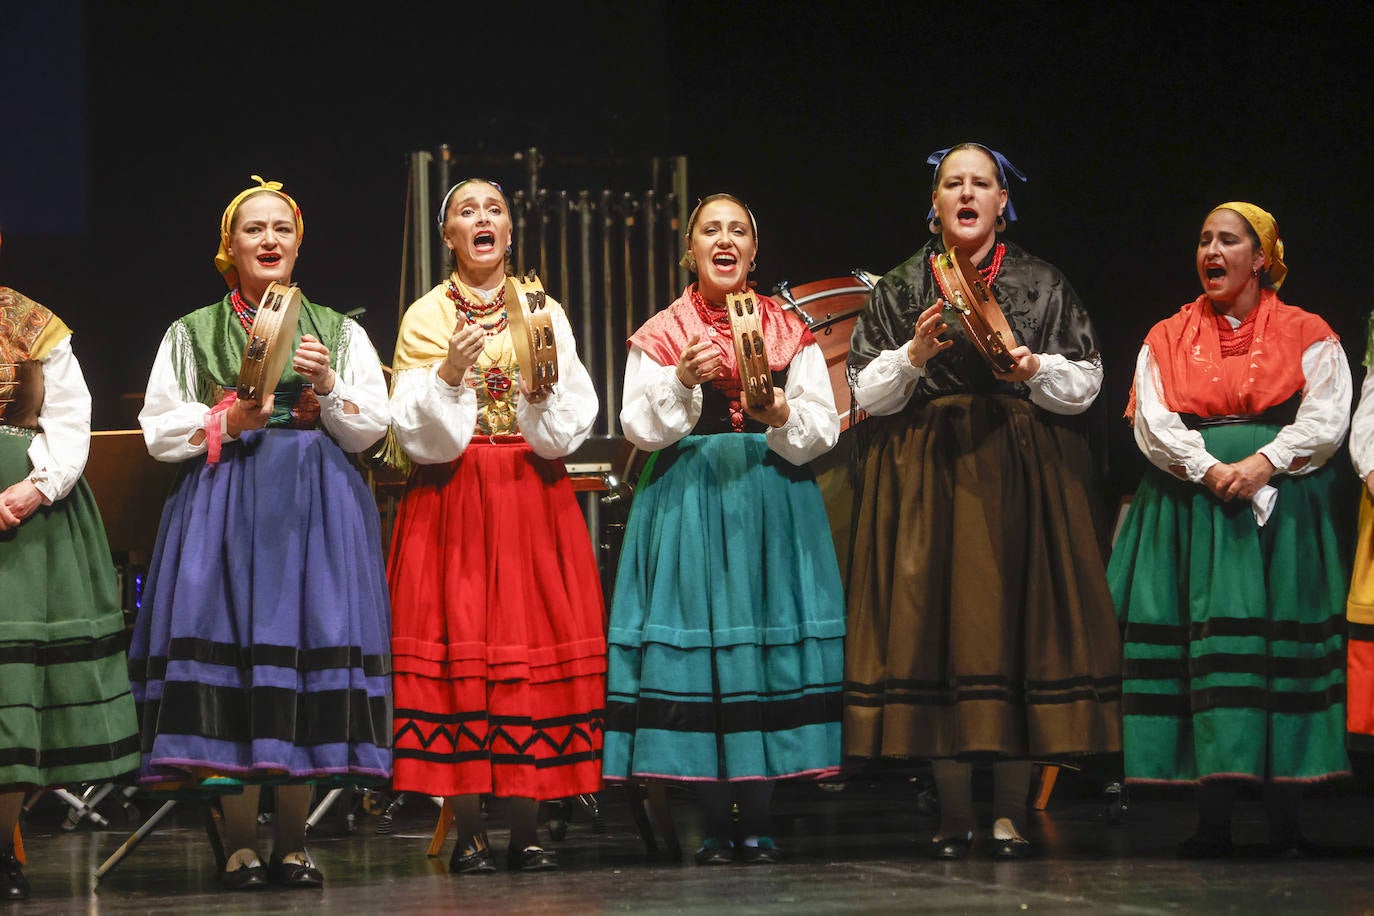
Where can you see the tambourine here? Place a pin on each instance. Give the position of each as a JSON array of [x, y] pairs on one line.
[[270, 342], [531, 330], [746, 331], [979, 313]]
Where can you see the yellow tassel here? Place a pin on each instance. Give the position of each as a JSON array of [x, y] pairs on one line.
[[393, 456]]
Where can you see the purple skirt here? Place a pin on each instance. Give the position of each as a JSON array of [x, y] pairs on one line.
[[262, 645]]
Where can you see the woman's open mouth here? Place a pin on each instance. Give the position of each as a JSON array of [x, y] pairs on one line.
[[484, 240]]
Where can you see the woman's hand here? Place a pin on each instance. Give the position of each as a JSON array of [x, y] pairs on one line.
[[533, 395], [464, 346], [925, 339], [774, 414], [245, 415], [1241, 480], [312, 362], [18, 502], [700, 362], [1027, 364]]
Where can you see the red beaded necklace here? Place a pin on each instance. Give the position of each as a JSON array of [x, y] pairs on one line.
[[988, 273], [711, 315], [475, 312], [1236, 341], [246, 313]]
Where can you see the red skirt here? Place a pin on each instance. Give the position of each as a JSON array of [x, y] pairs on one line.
[[498, 630]]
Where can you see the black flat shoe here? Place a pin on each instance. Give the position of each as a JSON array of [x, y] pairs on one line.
[[533, 858], [248, 878], [1206, 846], [1293, 847], [713, 852], [765, 853], [471, 861], [13, 884], [949, 848], [1014, 848], [295, 874]]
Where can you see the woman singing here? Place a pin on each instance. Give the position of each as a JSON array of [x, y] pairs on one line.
[[727, 625], [499, 630], [980, 624], [261, 649], [1231, 568]]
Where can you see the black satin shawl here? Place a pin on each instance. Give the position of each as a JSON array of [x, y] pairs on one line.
[[1042, 308]]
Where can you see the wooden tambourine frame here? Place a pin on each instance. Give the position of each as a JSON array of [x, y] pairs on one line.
[[531, 330], [746, 332], [269, 342], [978, 311]]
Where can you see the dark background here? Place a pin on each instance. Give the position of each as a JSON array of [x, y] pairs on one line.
[[128, 126]]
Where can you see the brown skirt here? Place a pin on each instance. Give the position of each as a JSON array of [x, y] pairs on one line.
[[979, 615]]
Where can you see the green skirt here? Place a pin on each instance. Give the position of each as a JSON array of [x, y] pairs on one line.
[[66, 713], [1234, 646]]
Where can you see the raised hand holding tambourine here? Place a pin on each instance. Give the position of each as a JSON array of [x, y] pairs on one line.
[[971, 300], [270, 342], [751, 357]]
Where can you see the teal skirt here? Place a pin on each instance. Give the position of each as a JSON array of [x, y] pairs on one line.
[[66, 713], [726, 641], [1234, 645]]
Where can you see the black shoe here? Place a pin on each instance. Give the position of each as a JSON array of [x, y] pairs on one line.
[[1293, 847], [764, 853], [713, 852], [13, 884], [949, 848], [469, 860], [1014, 848], [295, 874], [246, 878], [532, 858], [1206, 846]]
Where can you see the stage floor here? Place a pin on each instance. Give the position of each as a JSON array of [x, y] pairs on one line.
[[850, 848]]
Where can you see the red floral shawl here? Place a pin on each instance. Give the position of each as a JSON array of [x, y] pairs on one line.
[[664, 336]]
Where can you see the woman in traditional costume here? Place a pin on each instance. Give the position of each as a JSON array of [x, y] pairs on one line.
[[727, 622], [261, 651], [1231, 569], [1360, 602], [980, 624], [499, 623], [66, 712]]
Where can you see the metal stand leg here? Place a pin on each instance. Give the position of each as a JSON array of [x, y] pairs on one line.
[[83, 807], [322, 809], [133, 841]]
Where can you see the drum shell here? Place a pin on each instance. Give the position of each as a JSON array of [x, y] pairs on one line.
[[833, 306]]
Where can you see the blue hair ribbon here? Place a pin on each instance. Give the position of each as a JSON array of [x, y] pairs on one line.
[[1003, 166]]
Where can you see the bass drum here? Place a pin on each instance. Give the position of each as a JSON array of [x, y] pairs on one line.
[[831, 308]]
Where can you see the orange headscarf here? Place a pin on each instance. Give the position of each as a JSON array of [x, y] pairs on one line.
[[225, 264]]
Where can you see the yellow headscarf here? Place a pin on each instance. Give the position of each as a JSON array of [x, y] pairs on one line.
[[1267, 228], [225, 264]]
